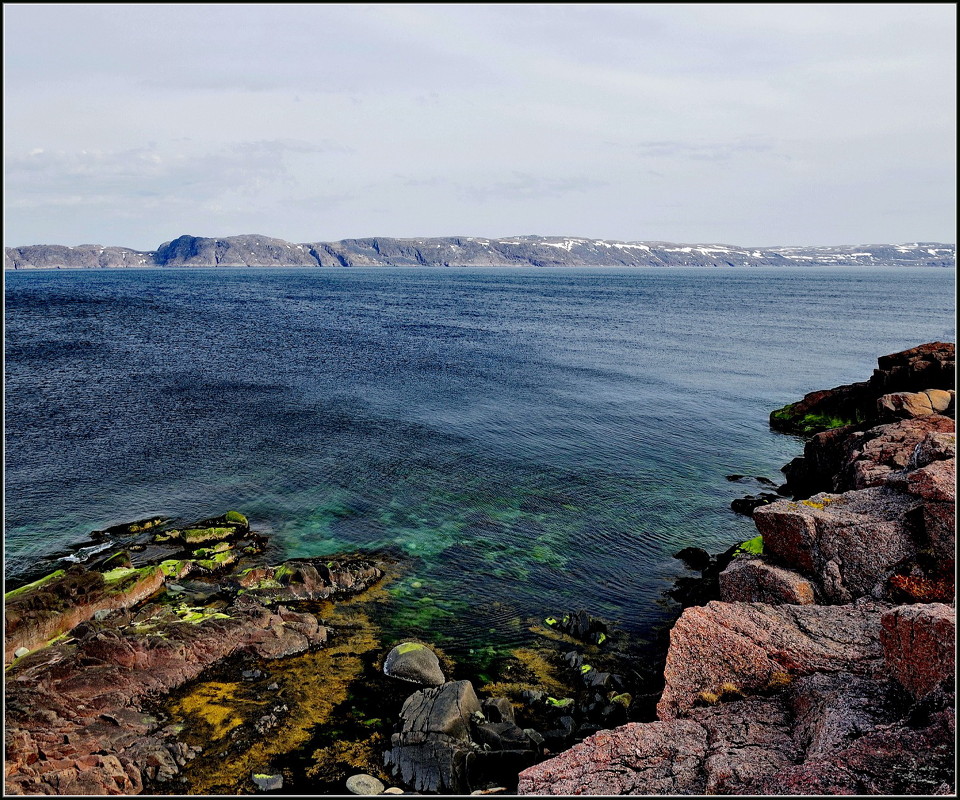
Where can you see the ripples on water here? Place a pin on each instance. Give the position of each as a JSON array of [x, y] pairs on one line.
[[535, 440]]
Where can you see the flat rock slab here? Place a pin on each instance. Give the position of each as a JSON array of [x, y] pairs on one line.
[[716, 748], [747, 644]]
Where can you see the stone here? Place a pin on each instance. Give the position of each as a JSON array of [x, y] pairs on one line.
[[748, 504], [266, 782], [695, 558], [393, 790], [831, 710], [919, 645], [849, 543], [414, 662], [904, 405], [941, 400], [498, 709], [752, 645], [20, 652], [78, 701], [936, 481], [750, 580], [433, 751], [892, 761], [364, 784], [935, 446]]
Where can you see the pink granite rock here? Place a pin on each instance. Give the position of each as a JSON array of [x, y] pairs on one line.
[[849, 543], [747, 644], [754, 580], [919, 644]]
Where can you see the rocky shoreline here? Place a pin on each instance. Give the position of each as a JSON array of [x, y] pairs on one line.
[[826, 665], [815, 658]]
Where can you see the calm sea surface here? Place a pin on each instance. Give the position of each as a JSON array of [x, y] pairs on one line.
[[534, 440]]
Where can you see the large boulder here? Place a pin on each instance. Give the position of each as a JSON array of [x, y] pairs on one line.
[[749, 647], [919, 645], [850, 543], [433, 750], [754, 580], [414, 662], [867, 458]]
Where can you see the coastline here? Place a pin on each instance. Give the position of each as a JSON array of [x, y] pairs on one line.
[[38, 760], [826, 665]]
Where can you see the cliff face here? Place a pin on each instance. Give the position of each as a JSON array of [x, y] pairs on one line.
[[540, 251], [846, 687]]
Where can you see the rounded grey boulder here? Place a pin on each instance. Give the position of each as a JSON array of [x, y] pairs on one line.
[[414, 662], [364, 784]]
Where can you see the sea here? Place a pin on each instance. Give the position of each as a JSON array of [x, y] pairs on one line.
[[522, 442]]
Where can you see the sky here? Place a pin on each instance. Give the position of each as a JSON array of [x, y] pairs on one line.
[[754, 125]]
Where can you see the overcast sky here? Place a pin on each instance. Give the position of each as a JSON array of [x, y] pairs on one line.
[[744, 124]]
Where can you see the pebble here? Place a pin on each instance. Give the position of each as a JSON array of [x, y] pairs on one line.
[[364, 784], [393, 790], [20, 652], [273, 687]]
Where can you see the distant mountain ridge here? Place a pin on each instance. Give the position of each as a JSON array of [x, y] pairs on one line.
[[470, 251]]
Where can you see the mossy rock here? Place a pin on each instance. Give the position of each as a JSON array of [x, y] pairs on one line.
[[174, 568], [236, 518], [121, 559], [792, 419], [218, 561], [193, 536], [37, 584], [209, 552]]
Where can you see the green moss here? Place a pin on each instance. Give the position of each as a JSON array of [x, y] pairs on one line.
[[791, 419], [753, 546], [409, 647], [237, 518], [283, 574], [118, 574], [172, 568], [35, 585], [201, 535]]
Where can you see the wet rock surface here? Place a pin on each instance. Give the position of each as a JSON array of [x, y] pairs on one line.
[[77, 708], [414, 662]]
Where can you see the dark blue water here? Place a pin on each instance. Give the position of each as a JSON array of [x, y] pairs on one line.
[[535, 440]]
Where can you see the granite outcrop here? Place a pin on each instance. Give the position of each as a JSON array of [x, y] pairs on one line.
[[826, 663]]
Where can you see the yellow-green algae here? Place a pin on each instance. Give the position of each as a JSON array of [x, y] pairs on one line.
[[35, 585], [821, 504], [311, 685], [752, 546], [201, 535]]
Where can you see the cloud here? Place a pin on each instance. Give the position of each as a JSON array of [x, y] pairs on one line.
[[50, 178], [527, 187]]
